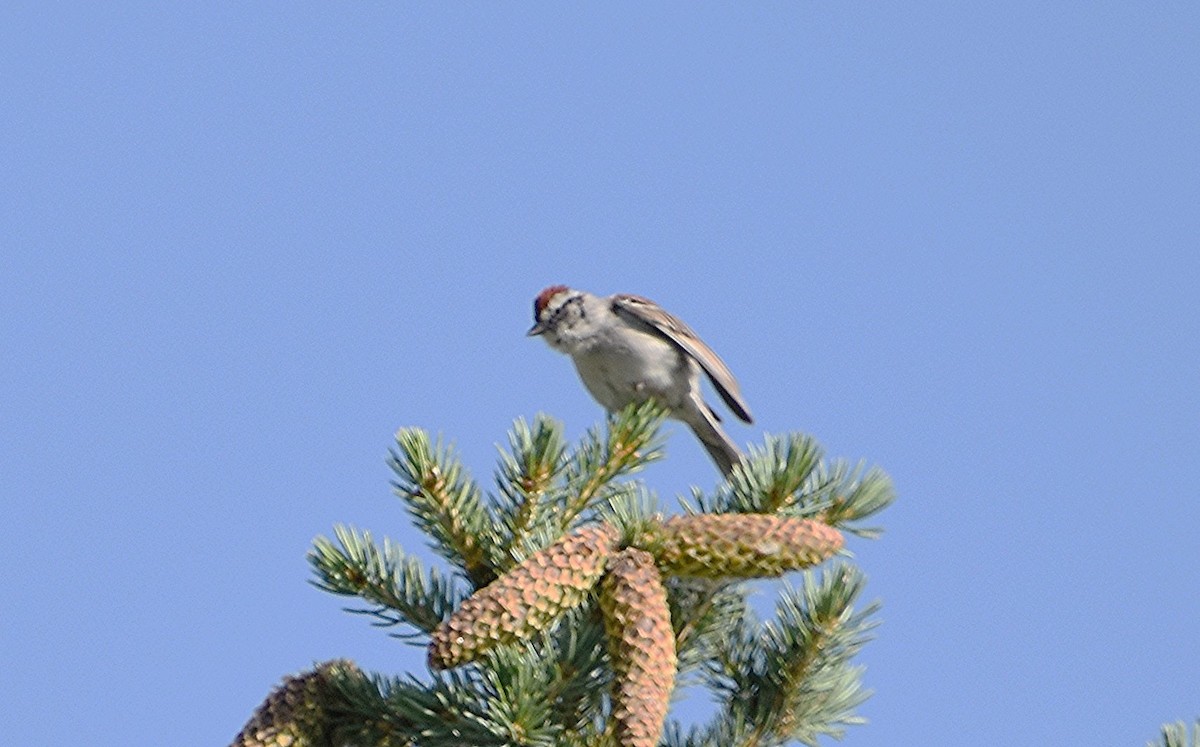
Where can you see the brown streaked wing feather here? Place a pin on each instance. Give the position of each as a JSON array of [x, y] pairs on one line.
[[679, 333]]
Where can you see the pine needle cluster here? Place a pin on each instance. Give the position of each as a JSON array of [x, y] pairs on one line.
[[1176, 735], [572, 607]]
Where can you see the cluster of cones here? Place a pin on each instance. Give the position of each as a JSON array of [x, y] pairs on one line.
[[531, 596]]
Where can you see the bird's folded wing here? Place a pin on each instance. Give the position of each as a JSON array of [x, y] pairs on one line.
[[677, 332]]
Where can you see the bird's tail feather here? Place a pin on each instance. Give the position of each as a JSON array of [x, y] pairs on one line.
[[719, 446]]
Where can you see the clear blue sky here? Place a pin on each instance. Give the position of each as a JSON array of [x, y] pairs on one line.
[[241, 243]]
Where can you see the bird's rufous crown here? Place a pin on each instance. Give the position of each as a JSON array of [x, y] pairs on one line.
[[543, 299]]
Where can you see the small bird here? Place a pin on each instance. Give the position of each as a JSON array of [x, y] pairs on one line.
[[628, 349]]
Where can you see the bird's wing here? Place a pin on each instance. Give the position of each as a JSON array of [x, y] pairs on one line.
[[679, 333]]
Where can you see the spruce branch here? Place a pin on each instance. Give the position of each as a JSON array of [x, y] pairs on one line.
[[450, 711], [630, 441], [515, 682], [789, 476], [856, 493], [630, 509], [1176, 735], [363, 713], [529, 484], [588, 605], [703, 612], [457, 708], [770, 478], [398, 586], [444, 503], [790, 679], [574, 649]]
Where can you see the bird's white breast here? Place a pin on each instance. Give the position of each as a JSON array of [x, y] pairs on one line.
[[635, 367]]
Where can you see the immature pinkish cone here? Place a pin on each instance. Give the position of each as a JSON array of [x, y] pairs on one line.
[[739, 545], [525, 600], [641, 646], [293, 715]]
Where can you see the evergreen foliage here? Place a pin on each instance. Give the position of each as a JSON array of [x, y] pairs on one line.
[[574, 606], [1176, 735]]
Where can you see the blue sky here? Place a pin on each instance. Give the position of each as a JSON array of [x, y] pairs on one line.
[[243, 243]]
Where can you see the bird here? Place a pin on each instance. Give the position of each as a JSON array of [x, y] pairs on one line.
[[629, 349]]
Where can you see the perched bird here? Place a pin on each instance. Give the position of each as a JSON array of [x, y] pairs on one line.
[[628, 349]]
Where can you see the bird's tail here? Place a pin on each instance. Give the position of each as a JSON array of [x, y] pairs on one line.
[[720, 447]]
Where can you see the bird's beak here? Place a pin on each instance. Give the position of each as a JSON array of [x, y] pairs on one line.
[[535, 330]]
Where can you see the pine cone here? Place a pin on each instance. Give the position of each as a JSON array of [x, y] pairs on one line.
[[739, 545], [641, 646], [526, 599], [293, 715]]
